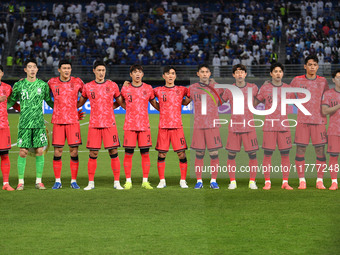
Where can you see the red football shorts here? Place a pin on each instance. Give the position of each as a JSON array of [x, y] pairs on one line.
[[248, 139], [71, 132], [304, 132], [109, 136], [143, 137], [282, 139], [175, 136], [333, 144], [5, 141], [206, 138]]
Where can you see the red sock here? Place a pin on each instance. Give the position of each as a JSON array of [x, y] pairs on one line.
[[231, 164], [198, 167], [334, 167], [74, 166], [91, 168], [253, 165], [183, 166], [161, 168], [214, 163], [267, 162], [57, 165], [127, 164], [145, 164], [300, 165], [115, 165], [285, 162], [5, 167], [320, 166]]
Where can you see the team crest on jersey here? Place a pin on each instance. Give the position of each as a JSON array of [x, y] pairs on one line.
[[72, 86], [144, 92], [3, 92], [19, 142], [108, 89], [39, 91], [178, 92]]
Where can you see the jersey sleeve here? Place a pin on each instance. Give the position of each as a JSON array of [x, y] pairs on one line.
[[186, 92], [260, 95], [326, 86], [225, 95], [47, 96], [83, 93], [116, 90], [325, 99], [255, 90], [13, 98], [152, 94]]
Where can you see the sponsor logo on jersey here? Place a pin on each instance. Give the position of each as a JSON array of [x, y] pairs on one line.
[[39, 91]]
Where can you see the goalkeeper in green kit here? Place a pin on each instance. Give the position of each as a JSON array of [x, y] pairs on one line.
[[31, 92]]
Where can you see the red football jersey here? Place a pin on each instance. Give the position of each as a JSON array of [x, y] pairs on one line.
[[265, 96], [5, 90], [65, 95], [316, 87], [196, 91], [241, 123], [137, 102], [101, 97], [170, 104], [332, 98]]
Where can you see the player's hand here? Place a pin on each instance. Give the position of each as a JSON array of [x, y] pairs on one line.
[[126, 84], [2, 98], [81, 114]]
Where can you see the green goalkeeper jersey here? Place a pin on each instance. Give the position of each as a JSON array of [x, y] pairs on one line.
[[31, 96]]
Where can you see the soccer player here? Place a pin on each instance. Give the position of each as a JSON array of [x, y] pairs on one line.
[[5, 142], [65, 89], [273, 131], [239, 130], [331, 106], [205, 135], [137, 96], [31, 92], [311, 126], [170, 127], [102, 127]]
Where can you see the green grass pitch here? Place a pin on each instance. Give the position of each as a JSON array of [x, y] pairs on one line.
[[168, 221]]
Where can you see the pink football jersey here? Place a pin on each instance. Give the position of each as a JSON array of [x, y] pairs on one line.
[[332, 98], [5, 90]]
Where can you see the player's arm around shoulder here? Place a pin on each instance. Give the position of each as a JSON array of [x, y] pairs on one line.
[[47, 95], [153, 100]]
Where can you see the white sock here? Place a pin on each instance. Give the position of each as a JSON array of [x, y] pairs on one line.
[[21, 181], [233, 182], [251, 181], [212, 180], [162, 180], [57, 180], [73, 180], [117, 182], [199, 180], [319, 180], [335, 180], [38, 180], [91, 183], [302, 179], [267, 182], [284, 181], [128, 180], [4, 183], [145, 179]]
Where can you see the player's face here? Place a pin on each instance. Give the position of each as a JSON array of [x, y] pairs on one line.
[[277, 74], [170, 76], [311, 67], [65, 71], [137, 76], [31, 70], [240, 75], [100, 72], [336, 80], [204, 75]]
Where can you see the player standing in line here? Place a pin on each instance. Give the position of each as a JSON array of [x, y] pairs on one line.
[[137, 96], [273, 131], [241, 132], [102, 127], [170, 127], [205, 135], [331, 106], [5, 142], [311, 126], [31, 92], [65, 119]]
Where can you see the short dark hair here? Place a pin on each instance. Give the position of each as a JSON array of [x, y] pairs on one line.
[[98, 63], [201, 66], [277, 64], [30, 60], [335, 72], [313, 57], [239, 67], [1, 68], [166, 69], [64, 62], [136, 67]]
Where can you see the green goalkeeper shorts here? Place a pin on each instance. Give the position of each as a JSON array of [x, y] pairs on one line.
[[32, 138]]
